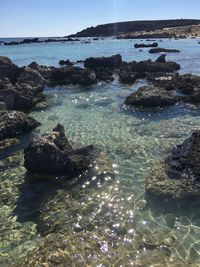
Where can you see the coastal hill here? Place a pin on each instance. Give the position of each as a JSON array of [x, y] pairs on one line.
[[133, 26]]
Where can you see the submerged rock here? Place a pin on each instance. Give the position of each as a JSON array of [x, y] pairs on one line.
[[178, 176], [148, 96], [14, 123], [11, 161], [112, 62], [52, 154]]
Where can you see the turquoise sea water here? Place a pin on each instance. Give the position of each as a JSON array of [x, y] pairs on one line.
[[103, 219]]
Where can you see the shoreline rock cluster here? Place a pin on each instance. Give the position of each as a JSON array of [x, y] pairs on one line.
[[21, 89], [37, 40]]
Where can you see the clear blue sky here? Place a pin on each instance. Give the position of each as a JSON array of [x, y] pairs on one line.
[[20, 18]]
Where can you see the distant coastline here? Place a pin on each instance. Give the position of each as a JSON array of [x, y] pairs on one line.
[[129, 27]]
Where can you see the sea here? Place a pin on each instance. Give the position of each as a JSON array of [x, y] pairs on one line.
[[107, 218]]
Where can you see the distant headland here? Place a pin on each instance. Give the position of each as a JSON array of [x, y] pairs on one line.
[[131, 27]]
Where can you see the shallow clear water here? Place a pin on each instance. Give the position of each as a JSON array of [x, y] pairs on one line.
[[104, 218]]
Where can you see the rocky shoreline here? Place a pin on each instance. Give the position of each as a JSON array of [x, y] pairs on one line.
[[50, 155], [167, 32], [21, 89]]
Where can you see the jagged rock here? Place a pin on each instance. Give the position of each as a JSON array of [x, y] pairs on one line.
[[13, 99], [8, 69], [161, 50], [187, 84], [72, 75], [161, 59], [104, 74], [178, 176], [129, 77], [112, 62], [151, 67], [148, 96], [43, 70], [65, 62], [14, 123], [33, 79], [145, 45], [52, 154]]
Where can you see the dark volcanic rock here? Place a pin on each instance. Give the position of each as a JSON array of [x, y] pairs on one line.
[[129, 77], [17, 100], [188, 85], [14, 123], [161, 59], [33, 79], [160, 50], [112, 62], [178, 176], [72, 75], [25, 41], [43, 70], [150, 66], [130, 72], [65, 62], [8, 69], [145, 45], [104, 74], [52, 154], [151, 97]]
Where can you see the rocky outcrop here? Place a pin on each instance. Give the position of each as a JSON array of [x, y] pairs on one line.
[[150, 66], [14, 123], [65, 62], [178, 176], [72, 75], [151, 97], [104, 74], [130, 72], [163, 50], [43, 70], [32, 78], [145, 45], [113, 62], [25, 93], [161, 59], [8, 69], [127, 76], [52, 154], [188, 85]]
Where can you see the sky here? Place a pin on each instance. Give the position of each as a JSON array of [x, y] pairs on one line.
[[41, 18]]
